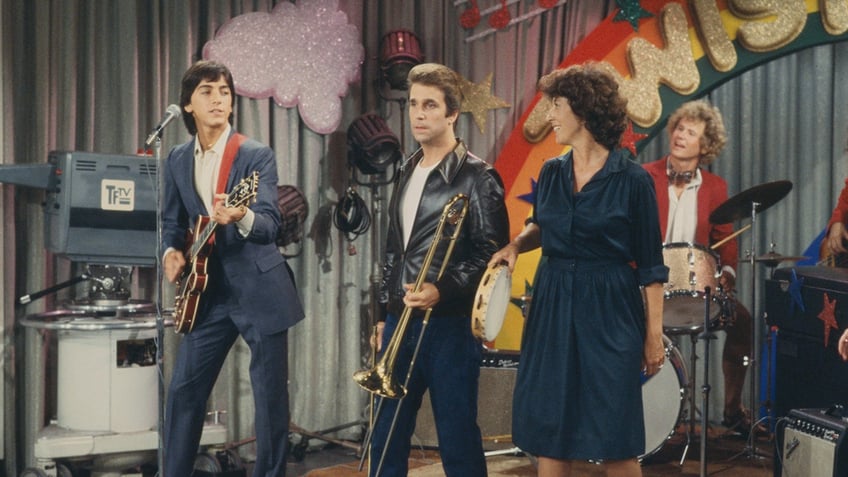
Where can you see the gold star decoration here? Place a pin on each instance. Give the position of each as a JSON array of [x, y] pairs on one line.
[[477, 99]]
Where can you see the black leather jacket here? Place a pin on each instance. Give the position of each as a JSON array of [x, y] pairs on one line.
[[485, 230]]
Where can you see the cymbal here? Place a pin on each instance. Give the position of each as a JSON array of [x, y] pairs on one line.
[[772, 259], [739, 206]]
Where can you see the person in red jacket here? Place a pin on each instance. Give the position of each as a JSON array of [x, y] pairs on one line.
[[686, 195], [833, 246], [834, 242]]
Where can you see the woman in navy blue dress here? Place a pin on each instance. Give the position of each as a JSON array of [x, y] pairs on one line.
[[589, 333]]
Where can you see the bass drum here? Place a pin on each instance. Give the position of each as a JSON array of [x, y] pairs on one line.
[[662, 399]]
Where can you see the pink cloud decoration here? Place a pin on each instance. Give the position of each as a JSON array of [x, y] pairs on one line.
[[302, 54]]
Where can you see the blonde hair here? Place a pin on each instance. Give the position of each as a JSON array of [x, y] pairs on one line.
[[714, 138]]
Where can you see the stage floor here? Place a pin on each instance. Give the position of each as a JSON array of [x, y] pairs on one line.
[[728, 455]]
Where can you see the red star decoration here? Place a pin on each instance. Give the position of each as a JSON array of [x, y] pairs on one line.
[[630, 138], [828, 316]]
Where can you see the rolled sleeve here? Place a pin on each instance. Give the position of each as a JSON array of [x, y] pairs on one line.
[[655, 274]]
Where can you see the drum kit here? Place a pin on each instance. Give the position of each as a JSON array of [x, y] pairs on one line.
[[695, 304]]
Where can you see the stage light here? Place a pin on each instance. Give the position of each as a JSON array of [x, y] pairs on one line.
[[399, 53], [372, 147]]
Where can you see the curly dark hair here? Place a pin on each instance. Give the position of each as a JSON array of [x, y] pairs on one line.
[[594, 97], [200, 71]]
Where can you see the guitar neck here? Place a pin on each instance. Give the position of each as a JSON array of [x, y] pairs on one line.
[[834, 260], [202, 238]]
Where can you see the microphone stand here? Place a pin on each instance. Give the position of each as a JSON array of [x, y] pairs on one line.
[[160, 320]]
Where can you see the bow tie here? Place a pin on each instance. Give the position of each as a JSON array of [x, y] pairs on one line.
[[680, 178]]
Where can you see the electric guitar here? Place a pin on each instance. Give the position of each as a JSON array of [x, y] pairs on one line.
[[193, 279], [828, 258]]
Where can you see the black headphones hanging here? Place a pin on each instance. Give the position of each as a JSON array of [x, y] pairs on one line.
[[351, 216]]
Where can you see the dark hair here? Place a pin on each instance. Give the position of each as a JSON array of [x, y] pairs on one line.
[[441, 77], [594, 97], [200, 71], [714, 137]]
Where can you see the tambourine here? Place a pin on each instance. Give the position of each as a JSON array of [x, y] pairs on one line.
[[490, 302]]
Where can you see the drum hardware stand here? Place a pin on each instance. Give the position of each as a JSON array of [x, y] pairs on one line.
[[706, 336], [510, 451], [750, 450], [754, 199], [376, 280], [690, 390]]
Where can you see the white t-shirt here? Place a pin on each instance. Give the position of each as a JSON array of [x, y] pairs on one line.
[[411, 198]]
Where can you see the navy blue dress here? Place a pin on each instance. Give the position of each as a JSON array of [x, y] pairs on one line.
[[578, 390]]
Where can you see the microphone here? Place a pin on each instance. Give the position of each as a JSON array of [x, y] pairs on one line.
[[172, 112]]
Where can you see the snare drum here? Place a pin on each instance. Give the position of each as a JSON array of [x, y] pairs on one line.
[[662, 399], [490, 302], [691, 268]]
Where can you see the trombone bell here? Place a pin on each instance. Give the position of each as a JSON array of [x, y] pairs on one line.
[[380, 379], [376, 380]]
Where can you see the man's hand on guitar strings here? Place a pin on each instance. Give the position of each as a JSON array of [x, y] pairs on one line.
[[174, 263]]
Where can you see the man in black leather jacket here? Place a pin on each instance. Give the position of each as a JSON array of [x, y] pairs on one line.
[[448, 360]]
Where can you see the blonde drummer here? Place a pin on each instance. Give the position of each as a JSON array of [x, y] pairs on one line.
[[686, 195]]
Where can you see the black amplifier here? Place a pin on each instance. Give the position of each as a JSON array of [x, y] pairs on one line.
[[494, 358], [809, 373], [811, 442], [494, 403], [784, 312]]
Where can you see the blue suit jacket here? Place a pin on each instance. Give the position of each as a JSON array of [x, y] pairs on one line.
[[250, 268]]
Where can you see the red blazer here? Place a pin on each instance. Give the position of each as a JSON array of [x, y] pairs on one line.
[[711, 194], [840, 213]]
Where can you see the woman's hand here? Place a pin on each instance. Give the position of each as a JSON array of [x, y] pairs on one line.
[[654, 354], [508, 255]]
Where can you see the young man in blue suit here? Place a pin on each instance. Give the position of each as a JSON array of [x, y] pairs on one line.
[[249, 292]]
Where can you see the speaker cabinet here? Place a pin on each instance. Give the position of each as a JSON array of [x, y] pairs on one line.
[[494, 411], [808, 375], [811, 442], [808, 370]]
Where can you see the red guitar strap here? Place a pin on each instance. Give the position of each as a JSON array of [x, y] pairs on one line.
[[230, 151]]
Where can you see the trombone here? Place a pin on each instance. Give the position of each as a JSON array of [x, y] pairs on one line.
[[380, 379]]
